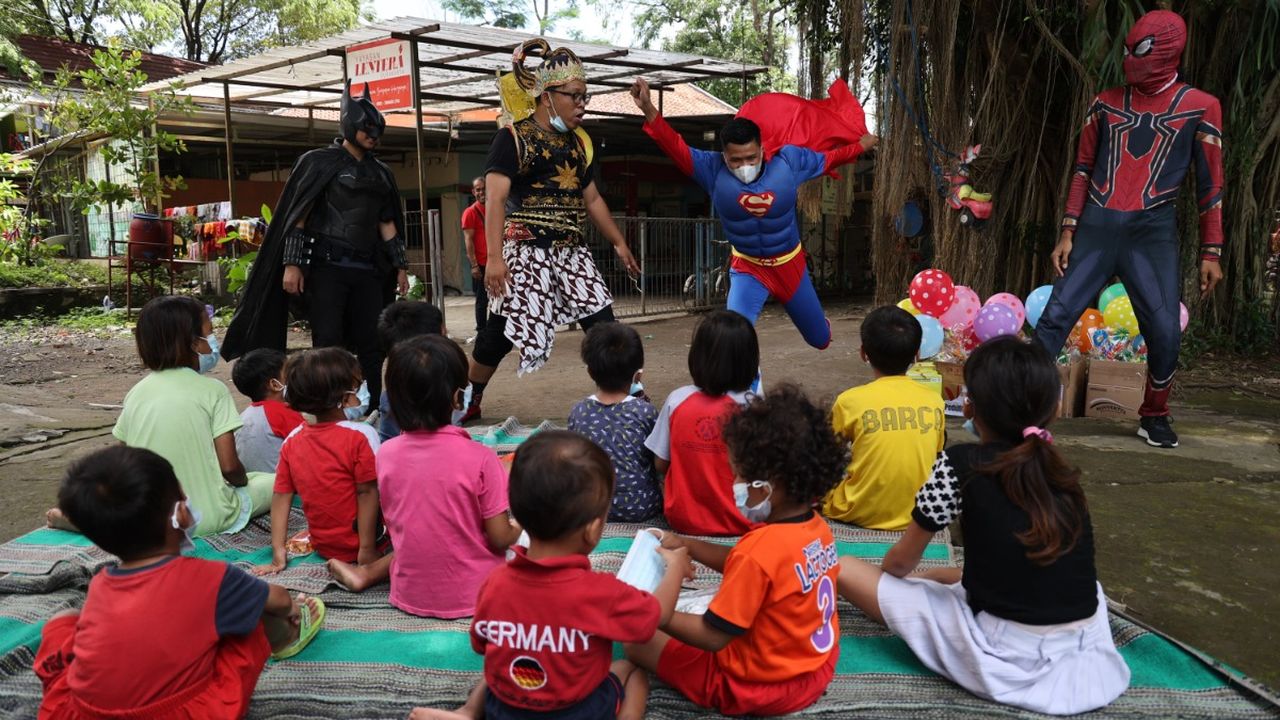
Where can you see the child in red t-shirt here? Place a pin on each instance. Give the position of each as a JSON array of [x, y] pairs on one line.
[[545, 622], [768, 643], [724, 360], [331, 465], [160, 635]]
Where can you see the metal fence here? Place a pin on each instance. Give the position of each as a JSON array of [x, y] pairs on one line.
[[684, 261]]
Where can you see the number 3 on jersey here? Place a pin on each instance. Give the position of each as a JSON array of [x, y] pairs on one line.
[[824, 638]]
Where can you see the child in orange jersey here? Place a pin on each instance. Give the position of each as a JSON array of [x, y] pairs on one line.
[[768, 643]]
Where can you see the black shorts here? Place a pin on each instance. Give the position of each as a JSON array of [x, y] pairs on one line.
[[603, 702]]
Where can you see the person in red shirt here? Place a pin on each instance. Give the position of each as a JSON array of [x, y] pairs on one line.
[[331, 465], [477, 249], [545, 622], [769, 641], [196, 633], [724, 359]]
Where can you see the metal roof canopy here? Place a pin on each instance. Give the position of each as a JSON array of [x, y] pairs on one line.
[[457, 66]]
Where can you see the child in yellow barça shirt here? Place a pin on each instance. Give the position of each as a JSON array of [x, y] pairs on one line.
[[896, 426]]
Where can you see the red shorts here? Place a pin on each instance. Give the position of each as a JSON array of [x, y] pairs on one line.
[[781, 281], [697, 675], [226, 694]]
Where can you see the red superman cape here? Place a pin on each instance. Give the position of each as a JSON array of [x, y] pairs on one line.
[[822, 125]]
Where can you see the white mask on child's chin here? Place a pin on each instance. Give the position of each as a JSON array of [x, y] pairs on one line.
[[188, 539], [458, 412], [753, 513]]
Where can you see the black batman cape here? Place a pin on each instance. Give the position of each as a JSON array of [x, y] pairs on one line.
[[262, 316]]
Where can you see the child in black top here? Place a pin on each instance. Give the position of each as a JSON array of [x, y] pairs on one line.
[[1025, 624]]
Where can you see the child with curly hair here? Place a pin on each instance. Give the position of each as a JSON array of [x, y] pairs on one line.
[[769, 641]]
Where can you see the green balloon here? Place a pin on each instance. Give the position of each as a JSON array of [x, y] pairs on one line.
[[1111, 293]]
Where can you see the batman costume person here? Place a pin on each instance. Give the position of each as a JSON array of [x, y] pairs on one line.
[[336, 239], [1136, 147], [539, 191]]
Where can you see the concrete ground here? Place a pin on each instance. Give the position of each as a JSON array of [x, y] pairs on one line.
[[1188, 539]]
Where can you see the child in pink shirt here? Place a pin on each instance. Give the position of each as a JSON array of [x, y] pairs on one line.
[[444, 496]]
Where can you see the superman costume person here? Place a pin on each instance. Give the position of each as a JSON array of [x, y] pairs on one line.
[[753, 186], [1135, 149]]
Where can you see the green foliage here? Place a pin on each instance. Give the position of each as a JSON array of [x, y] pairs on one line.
[[19, 227], [211, 31], [513, 14], [754, 33], [106, 105], [51, 273]]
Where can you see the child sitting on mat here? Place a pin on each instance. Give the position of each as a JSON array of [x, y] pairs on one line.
[[769, 641], [331, 465], [724, 360], [545, 622], [1025, 622], [402, 320], [896, 426], [188, 419], [618, 421], [444, 496], [259, 376], [160, 635]]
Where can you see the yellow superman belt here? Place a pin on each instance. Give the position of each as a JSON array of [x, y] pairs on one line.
[[769, 262]]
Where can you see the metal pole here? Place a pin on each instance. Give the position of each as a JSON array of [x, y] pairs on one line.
[[226, 124], [644, 262], [428, 247]]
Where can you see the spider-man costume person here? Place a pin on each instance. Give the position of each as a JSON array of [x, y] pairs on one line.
[[753, 185], [1137, 144]]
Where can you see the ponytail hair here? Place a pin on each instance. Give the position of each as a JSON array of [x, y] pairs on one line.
[[1015, 389]]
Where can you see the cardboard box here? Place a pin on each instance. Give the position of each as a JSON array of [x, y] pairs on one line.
[[926, 375], [953, 389], [1073, 386], [1115, 389]]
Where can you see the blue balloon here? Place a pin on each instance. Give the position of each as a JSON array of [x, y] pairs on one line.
[[930, 336], [1036, 303]]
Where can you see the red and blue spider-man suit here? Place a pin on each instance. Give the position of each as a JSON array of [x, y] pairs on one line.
[[759, 217], [1136, 147]]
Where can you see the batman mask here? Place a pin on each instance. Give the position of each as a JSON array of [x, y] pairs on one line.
[[359, 113]]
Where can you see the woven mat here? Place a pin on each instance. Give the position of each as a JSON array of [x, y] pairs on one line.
[[373, 661]]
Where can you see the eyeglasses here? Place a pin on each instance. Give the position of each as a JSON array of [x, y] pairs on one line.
[[581, 98]]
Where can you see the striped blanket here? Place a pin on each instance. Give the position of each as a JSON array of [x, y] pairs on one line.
[[373, 661]]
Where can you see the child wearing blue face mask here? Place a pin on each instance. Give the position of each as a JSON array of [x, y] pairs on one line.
[[197, 632], [618, 421], [188, 419], [329, 463]]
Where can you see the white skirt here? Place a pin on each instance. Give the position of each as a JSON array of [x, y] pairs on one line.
[[1060, 671]]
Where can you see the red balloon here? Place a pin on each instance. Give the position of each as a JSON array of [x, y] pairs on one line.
[[932, 292]]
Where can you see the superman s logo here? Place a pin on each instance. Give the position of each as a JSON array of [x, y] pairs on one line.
[[757, 204]]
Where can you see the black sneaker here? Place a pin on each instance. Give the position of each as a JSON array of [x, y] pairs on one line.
[[1156, 431]]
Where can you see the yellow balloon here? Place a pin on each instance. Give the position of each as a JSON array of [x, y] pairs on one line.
[[1119, 315], [905, 304]]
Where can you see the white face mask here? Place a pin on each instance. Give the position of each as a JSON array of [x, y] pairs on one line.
[[557, 123], [753, 513], [456, 418], [747, 174], [188, 540]]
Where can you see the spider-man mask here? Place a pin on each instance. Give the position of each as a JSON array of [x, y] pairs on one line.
[[1152, 50]]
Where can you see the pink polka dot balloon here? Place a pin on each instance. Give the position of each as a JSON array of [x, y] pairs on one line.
[[932, 292], [995, 320], [963, 311], [1012, 302]]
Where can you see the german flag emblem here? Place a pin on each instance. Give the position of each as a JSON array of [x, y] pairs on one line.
[[527, 673]]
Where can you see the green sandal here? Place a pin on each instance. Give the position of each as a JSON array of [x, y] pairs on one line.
[[308, 626]]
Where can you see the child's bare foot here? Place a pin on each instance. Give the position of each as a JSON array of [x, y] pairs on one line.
[[472, 709], [55, 519], [352, 577]]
